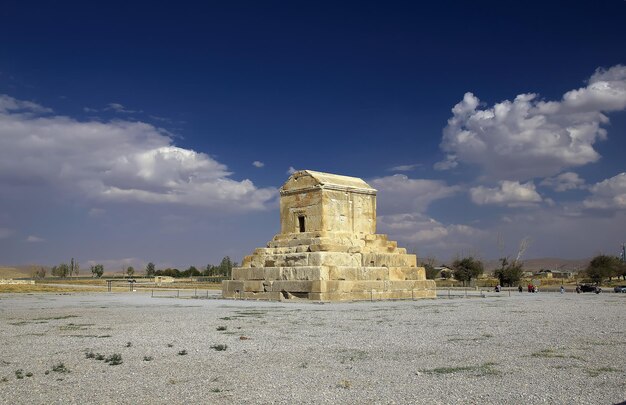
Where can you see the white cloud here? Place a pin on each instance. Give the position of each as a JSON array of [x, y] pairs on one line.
[[291, 170], [509, 193], [404, 168], [119, 108], [116, 161], [258, 164], [448, 163], [400, 194], [527, 137], [18, 106], [608, 194], [564, 181], [427, 233], [34, 239]]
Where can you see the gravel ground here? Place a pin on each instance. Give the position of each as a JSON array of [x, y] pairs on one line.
[[527, 348]]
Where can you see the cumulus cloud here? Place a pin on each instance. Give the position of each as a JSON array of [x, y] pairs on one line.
[[448, 163], [400, 194], [116, 161], [509, 193], [529, 137], [404, 168], [608, 194], [564, 181], [34, 239], [258, 164], [427, 232]]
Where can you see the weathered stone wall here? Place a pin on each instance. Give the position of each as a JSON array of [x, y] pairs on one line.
[[337, 256]]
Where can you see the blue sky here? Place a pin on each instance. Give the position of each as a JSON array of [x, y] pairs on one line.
[[161, 132]]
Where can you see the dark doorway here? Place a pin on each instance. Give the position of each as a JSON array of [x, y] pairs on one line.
[[301, 223]]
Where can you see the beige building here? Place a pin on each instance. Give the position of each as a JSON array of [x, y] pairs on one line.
[[328, 249]]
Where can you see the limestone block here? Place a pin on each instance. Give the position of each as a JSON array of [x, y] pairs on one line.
[[294, 286], [346, 286], [232, 285], [328, 247], [407, 273], [246, 261], [334, 259], [255, 285], [272, 273], [388, 260], [305, 273], [358, 273]]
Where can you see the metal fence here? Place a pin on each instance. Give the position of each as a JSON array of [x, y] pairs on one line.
[[185, 293]]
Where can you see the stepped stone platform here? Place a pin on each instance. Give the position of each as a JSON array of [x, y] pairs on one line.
[[328, 249]]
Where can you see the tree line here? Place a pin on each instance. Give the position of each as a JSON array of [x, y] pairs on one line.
[[224, 269], [600, 268]]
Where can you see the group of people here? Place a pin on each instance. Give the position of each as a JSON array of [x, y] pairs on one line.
[[531, 288]]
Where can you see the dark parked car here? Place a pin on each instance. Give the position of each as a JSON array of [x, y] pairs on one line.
[[590, 288], [620, 289]]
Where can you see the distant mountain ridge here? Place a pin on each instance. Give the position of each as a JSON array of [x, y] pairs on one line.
[[549, 263]]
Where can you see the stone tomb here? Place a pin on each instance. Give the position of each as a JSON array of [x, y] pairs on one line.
[[328, 249]]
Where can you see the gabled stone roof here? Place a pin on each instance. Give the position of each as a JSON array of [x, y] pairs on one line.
[[327, 181]]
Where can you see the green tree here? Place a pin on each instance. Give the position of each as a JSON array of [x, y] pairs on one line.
[[192, 271], [150, 270], [467, 268], [39, 273], [130, 271], [431, 272], [225, 268], [602, 266], [509, 274], [209, 270], [62, 270], [97, 270]]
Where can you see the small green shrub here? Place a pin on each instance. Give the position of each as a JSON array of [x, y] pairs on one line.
[[219, 348], [19, 374], [99, 356], [60, 368], [148, 358], [128, 344], [182, 353], [221, 328], [114, 359]]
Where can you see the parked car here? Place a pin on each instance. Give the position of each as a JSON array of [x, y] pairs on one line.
[[620, 289], [590, 288]]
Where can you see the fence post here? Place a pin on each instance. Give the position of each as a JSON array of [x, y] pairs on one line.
[[177, 293], [448, 293], [152, 295]]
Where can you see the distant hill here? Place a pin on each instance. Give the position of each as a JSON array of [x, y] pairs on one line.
[[17, 271], [550, 263]]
